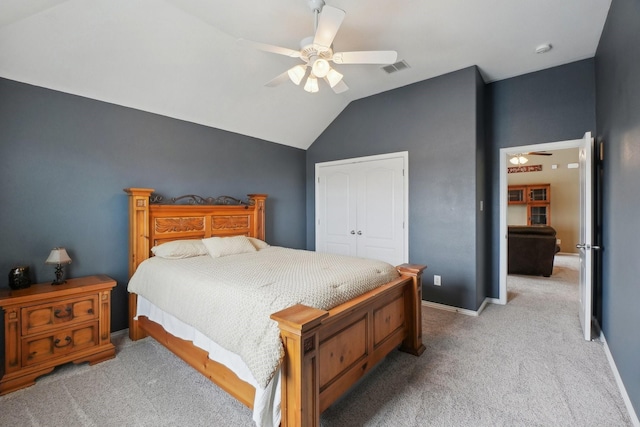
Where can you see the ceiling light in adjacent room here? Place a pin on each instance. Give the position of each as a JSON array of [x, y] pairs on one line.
[[518, 159]]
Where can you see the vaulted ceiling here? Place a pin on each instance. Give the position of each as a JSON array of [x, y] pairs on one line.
[[182, 59]]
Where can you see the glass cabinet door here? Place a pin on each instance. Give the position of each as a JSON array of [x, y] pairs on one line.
[[538, 214], [517, 195], [539, 194]]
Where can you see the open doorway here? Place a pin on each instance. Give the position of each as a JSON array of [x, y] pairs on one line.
[[505, 154]]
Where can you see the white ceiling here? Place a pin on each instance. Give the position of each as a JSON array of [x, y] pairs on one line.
[[180, 58]]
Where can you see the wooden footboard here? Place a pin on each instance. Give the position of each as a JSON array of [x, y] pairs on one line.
[[326, 352]]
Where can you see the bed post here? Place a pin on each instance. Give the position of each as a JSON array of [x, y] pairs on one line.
[[138, 246], [258, 224], [299, 326], [413, 307]]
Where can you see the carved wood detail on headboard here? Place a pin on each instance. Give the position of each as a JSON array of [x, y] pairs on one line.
[[153, 223], [230, 222], [176, 225]]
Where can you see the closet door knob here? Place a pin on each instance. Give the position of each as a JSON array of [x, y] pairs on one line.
[[353, 232], [359, 233]]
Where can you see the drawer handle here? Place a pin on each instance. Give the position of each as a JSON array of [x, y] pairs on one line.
[[57, 341], [57, 312]]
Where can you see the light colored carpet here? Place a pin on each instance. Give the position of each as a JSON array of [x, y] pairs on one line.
[[523, 364]]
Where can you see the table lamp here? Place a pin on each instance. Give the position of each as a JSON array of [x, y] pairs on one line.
[[57, 257]]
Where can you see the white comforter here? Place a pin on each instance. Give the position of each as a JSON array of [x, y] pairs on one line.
[[230, 299]]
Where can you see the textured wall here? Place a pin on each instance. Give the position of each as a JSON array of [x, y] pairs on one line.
[[64, 161], [618, 112], [436, 122]]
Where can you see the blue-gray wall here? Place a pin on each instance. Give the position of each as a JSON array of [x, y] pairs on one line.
[[618, 112], [64, 161], [555, 104], [436, 121]]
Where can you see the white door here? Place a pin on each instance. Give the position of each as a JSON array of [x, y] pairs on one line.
[[380, 211], [586, 234], [336, 210], [361, 208]]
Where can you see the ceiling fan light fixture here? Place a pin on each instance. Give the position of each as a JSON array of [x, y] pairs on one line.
[[311, 85], [333, 77], [296, 74], [320, 67]]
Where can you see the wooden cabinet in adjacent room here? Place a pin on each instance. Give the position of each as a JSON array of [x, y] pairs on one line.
[[537, 198]]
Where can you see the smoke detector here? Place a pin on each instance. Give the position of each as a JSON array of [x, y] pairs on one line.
[[543, 48]]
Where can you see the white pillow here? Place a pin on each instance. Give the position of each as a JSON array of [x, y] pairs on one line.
[[223, 246], [180, 249], [257, 243]]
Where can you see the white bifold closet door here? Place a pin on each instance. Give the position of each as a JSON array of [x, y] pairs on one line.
[[361, 208]]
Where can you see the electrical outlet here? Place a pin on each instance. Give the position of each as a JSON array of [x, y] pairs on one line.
[[436, 280]]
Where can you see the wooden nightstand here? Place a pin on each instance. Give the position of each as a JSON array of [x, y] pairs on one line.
[[46, 326]]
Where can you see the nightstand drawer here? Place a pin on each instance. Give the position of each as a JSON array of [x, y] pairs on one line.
[[46, 347], [44, 317], [46, 326]]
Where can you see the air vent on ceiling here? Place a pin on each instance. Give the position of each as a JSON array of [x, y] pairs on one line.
[[398, 66]]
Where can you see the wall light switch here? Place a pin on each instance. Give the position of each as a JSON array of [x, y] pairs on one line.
[[436, 280]]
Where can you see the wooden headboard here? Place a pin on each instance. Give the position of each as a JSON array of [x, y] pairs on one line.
[[151, 224]]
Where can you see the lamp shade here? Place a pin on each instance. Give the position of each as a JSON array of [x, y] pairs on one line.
[[320, 67], [311, 85], [296, 74], [58, 256], [333, 77]]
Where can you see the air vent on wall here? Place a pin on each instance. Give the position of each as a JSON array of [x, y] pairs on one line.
[[398, 66]]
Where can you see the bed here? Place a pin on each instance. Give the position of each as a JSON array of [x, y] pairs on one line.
[[324, 351]]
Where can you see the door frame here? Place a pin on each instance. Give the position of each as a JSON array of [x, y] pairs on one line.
[[504, 154], [404, 155]]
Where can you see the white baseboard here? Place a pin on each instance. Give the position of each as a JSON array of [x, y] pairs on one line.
[[625, 396], [458, 309]]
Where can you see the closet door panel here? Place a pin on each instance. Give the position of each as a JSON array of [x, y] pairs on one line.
[[380, 211], [338, 215]]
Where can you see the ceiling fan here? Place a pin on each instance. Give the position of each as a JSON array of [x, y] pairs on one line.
[[317, 52], [520, 159]]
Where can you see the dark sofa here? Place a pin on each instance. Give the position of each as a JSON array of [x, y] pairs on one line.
[[531, 250]]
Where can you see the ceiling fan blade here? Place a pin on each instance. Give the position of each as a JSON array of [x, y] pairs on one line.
[[340, 87], [278, 80], [539, 153], [366, 57], [328, 24], [270, 48]]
